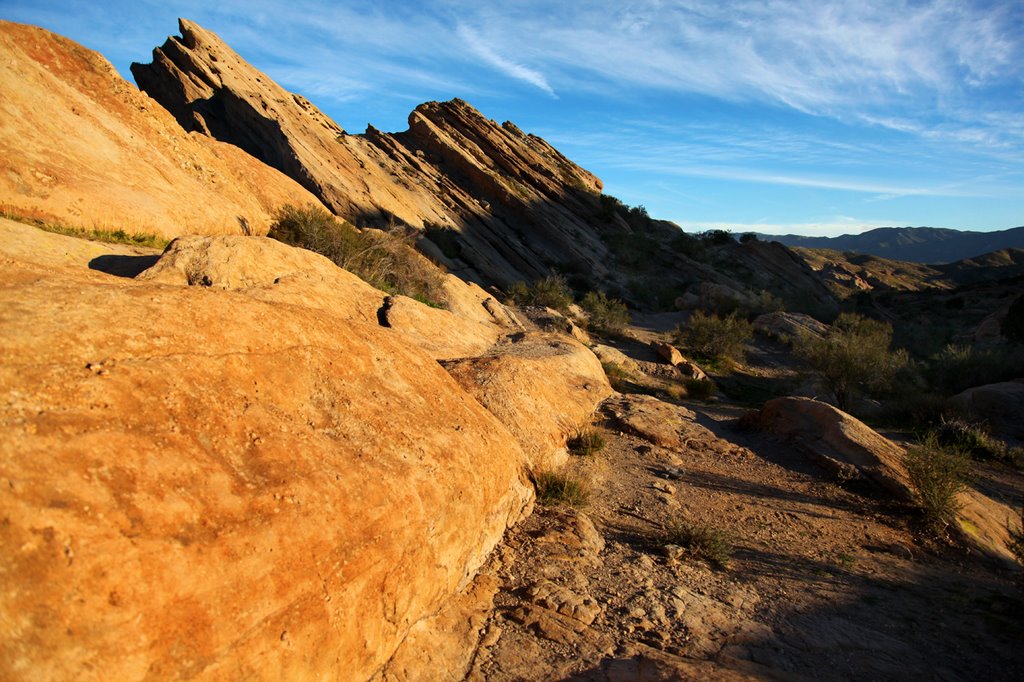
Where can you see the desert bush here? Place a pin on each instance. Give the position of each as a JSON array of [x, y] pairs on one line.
[[585, 442], [938, 473], [554, 489], [959, 367], [385, 260], [606, 314], [701, 541], [709, 337], [765, 302], [699, 389], [550, 291], [853, 358], [970, 438]]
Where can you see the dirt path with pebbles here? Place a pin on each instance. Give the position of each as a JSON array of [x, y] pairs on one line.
[[825, 582]]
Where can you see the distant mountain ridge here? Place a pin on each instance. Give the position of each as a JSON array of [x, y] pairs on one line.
[[914, 244]]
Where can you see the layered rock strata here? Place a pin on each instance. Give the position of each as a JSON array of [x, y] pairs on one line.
[[514, 204], [80, 146]]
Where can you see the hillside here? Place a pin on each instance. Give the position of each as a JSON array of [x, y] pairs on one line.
[[79, 146], [913, 244], [252, 457]]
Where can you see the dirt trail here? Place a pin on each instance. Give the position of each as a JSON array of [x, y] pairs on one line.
[[824, 582]]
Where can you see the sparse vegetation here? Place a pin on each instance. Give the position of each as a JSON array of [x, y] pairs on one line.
[[118, 236], [551, 291], [556, 488], [974, 440], [606, 314], [699, 389], [854, 358], [958, 367], [585, 442], [701, 541], [385, 260], [938, 473], [714, 338]]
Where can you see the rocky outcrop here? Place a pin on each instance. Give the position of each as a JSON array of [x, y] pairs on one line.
[[839, 442], [792, 326], [999, 406], [514, 204], [80, 146], [223, 481], [513, 381]]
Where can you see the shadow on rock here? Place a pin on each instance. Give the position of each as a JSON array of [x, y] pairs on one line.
[[122, 266]]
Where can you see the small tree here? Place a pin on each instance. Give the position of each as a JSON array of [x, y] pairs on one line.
[[715, 338], [853, 358]]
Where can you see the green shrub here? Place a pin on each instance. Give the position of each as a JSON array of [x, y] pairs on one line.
[[853, 358], [958, 367], [699, 389], [550, 291], [606, 314], [700, 541], [385, 260], [554, 489], [938, 473], [586, 442], [709, 337]]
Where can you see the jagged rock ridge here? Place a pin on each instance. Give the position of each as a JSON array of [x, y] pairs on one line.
[[518, 205], [80, 146]]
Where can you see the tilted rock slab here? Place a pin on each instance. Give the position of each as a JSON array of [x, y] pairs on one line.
[[82, 147], [839, 442], [999, 406], [515, 203], [849, 447], [199, 482]]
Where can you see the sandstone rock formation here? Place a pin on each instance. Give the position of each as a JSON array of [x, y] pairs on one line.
[[1000, 406], [516, 205], [514, 381], [221, 480], [851, 449], [80, 146], [838, 441], [781, 325]]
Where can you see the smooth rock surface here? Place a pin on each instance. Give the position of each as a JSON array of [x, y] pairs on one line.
[[201, 483], [82, 147]]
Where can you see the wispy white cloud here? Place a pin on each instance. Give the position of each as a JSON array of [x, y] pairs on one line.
[[510, 68]]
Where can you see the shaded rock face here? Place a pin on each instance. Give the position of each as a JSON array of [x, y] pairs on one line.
[[1000, 406], [222, 481], [80, 146], [516, 204]]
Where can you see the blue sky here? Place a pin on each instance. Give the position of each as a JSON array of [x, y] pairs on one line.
[[804, 116]]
